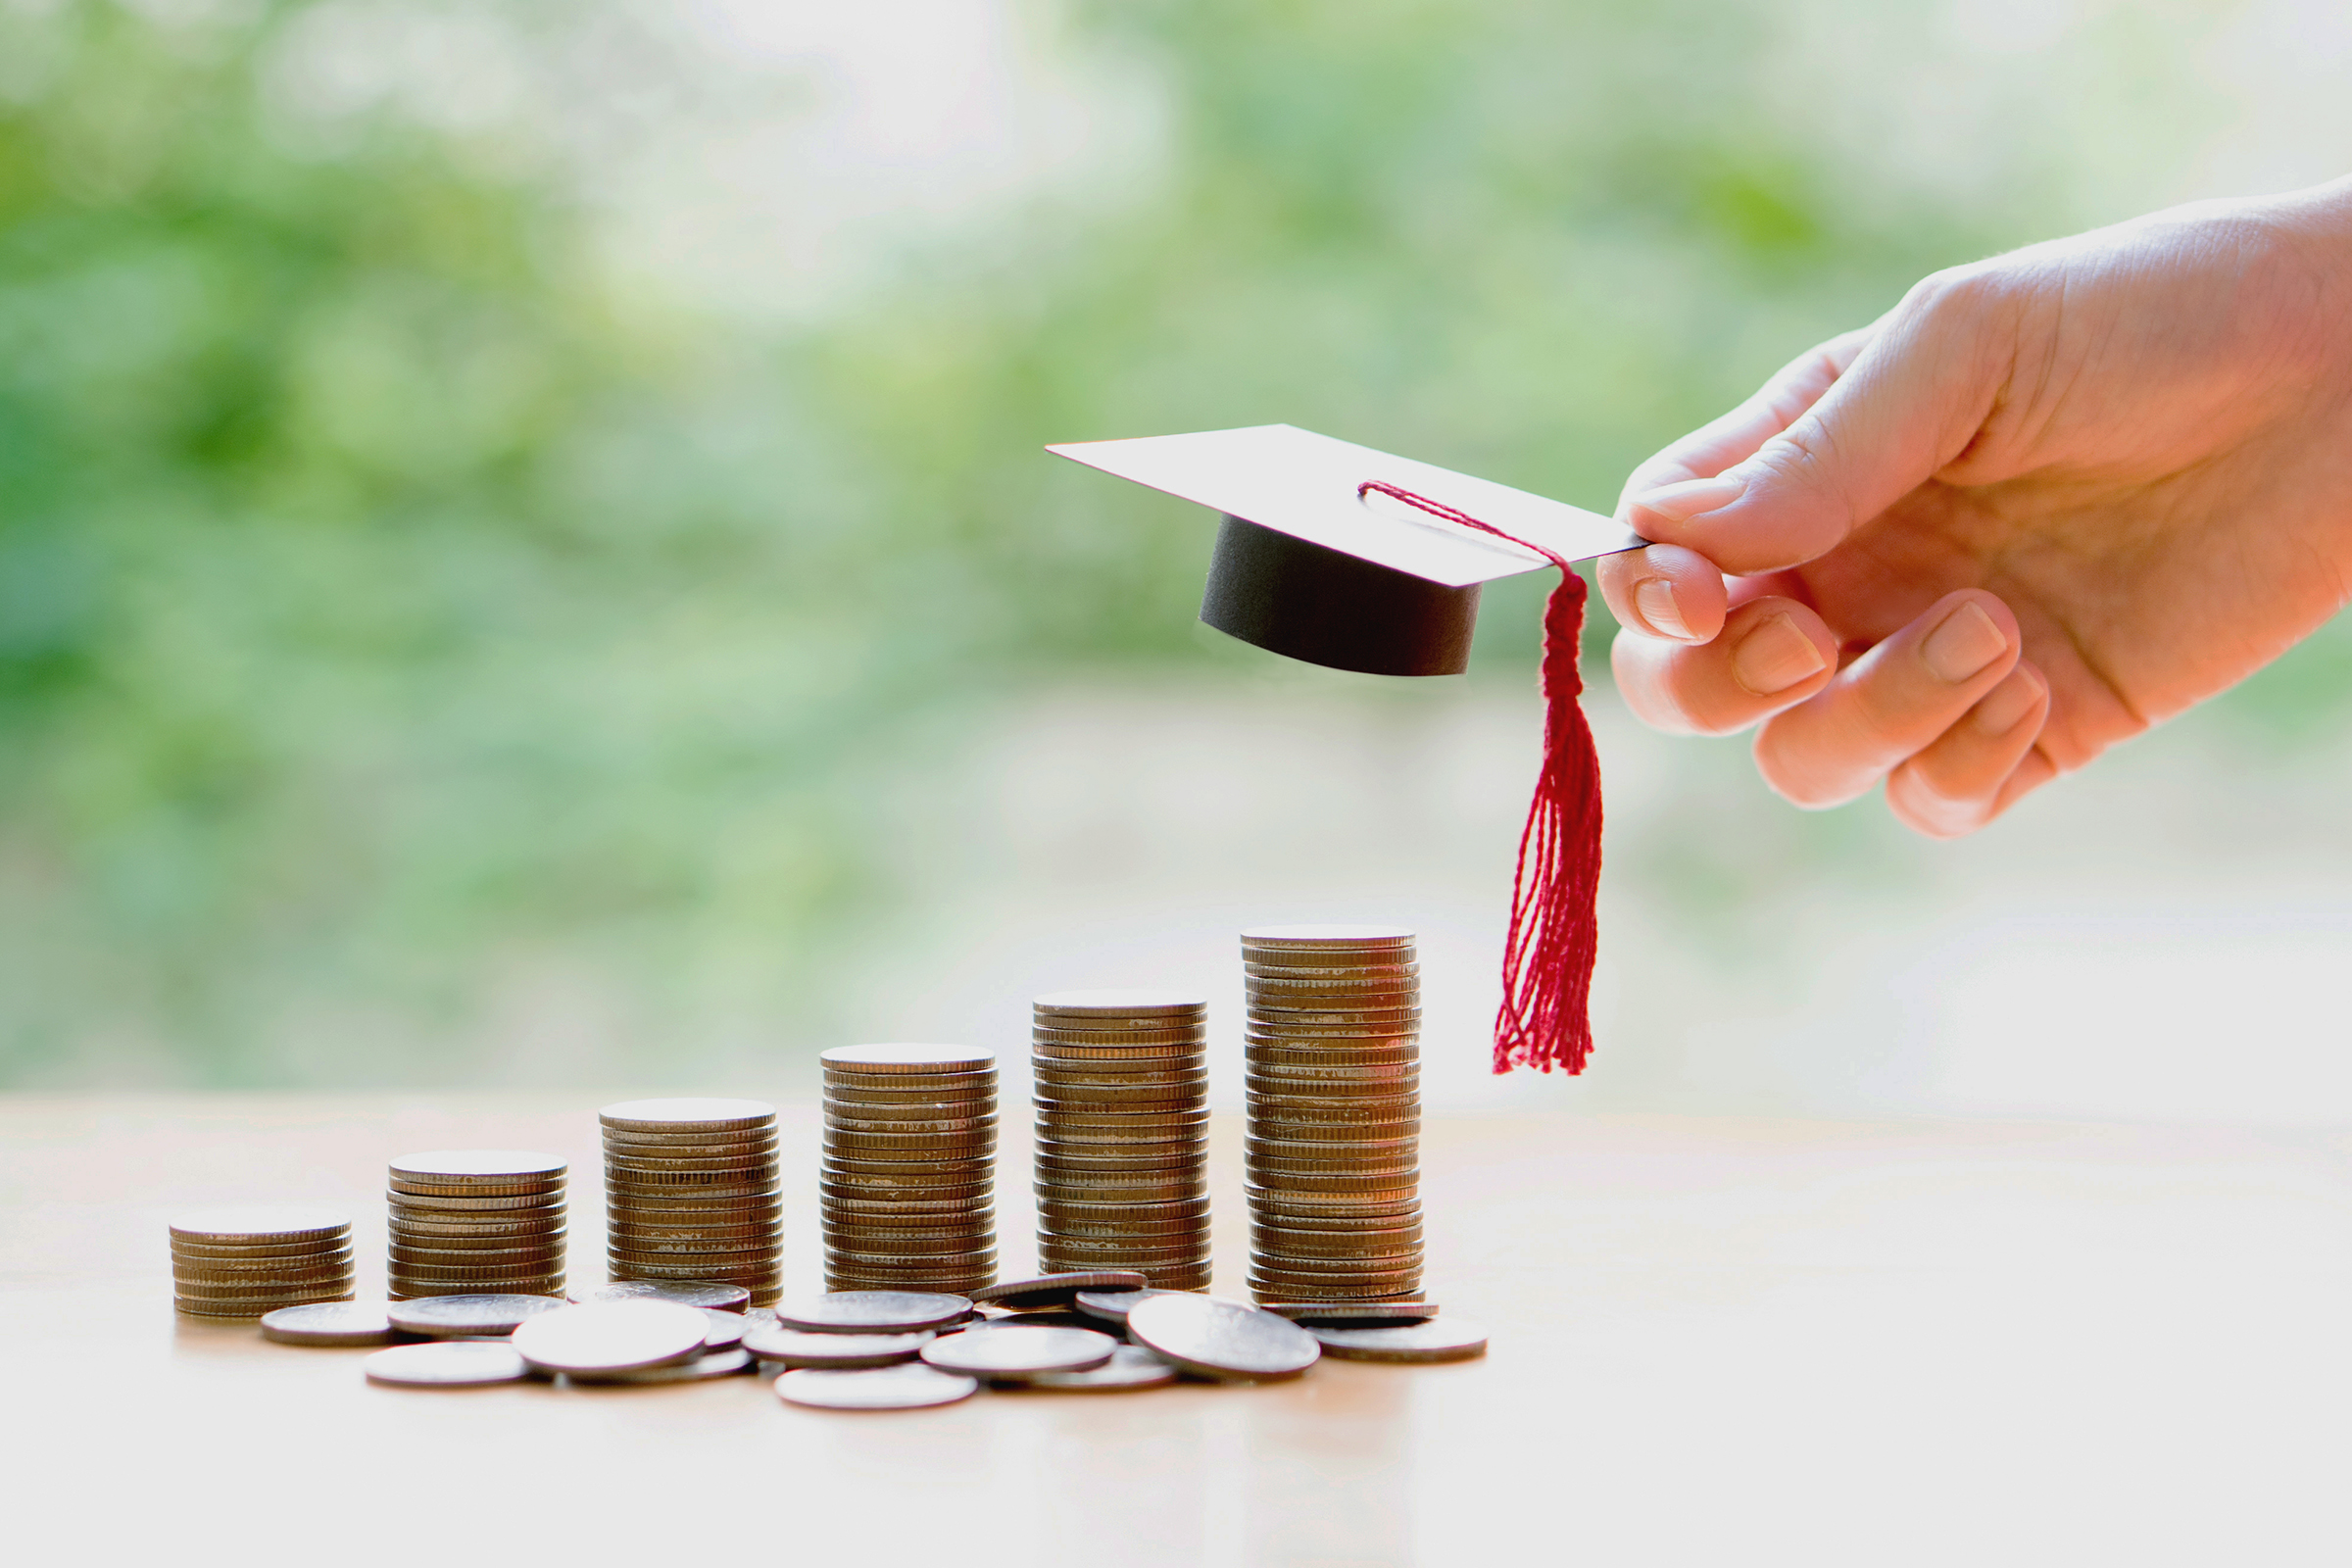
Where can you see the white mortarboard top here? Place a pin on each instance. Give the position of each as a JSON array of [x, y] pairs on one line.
[[1307, 566]]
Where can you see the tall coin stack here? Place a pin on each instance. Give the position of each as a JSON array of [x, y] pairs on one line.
[[475, 1222], [243, 1262], [1333, 1130], [691, 1194], [1122, 1134], [907, 1184]]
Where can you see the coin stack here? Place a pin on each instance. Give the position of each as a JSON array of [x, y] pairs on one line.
[[1122, 1134], [244, 1263], [475, 1222], [1334, 1043], [691, 1194], [907, 1184]]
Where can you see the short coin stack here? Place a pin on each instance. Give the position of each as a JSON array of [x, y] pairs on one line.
[[690, 1193], [474, 1222], [1333, 1126], [1122, 1134], [907, 1184], [244, 1263]]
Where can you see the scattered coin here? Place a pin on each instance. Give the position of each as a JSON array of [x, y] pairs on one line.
[[1053, 1317], [710, 1364], [607, 1337], [798, 1348], [682, 1293], [873, 1311], [1223, 1340], [1449, 1338], [1113, 1306], [908, 1387], [329, 1323], [448, 1317], [452, 1364], [1014, 1350], [726, 1332], [1130, 1367], [1057, 1290]]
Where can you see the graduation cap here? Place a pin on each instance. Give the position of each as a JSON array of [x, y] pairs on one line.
[[1344, 556]]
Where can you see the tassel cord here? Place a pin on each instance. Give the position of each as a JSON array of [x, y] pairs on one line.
[[1551, 944]]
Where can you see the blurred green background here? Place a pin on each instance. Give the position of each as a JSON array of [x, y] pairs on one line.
[[501, 485]]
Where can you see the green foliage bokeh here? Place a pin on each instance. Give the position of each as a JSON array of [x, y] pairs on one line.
[[387, 596]]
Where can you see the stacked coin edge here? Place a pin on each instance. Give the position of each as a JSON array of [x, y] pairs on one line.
[[243, 1263], [475, 1222], [1120, 1085], [692, 1193], [907, 1182], [1334, 1113]]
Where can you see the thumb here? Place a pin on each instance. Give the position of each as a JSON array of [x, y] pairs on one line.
[[1907, 404]]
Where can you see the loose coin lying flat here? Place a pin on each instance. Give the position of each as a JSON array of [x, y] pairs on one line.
[[1451, 1338], [612, 1336], [1113, 1306], [873, 1311], [910, 1387], [1053, 1317], [1220, 1338], [696, 1369], [1130, 1366], [726, 1330], [453, 1364], [448, 1317], [680, 1293], [799, 1348], [329, 1323], [1016, 1351], [1058, 1289]]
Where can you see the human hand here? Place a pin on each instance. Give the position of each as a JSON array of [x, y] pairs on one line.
[[2045, 503]]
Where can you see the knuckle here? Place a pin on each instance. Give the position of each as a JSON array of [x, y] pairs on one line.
[[1806, 460], [1956, 295]]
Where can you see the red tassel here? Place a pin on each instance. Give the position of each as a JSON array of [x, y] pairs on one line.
[[1545, 1021]]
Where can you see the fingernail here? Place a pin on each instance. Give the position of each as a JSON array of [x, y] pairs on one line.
[[2004, 708], [1682, 501], [1964, 644], [1775, 657], [1654, 601]]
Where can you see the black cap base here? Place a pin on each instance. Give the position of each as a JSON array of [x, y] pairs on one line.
[[1305, 600]]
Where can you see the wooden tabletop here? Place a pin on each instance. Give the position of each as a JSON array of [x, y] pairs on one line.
[[1715, 1342]]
